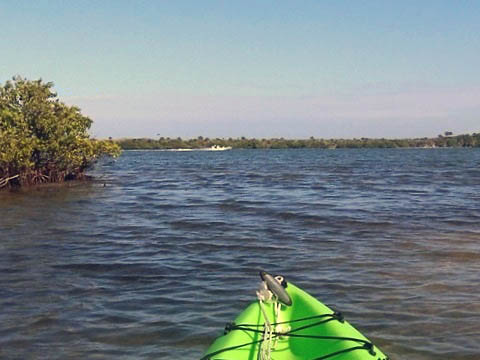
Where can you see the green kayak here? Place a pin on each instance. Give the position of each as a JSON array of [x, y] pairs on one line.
[[286, 323]]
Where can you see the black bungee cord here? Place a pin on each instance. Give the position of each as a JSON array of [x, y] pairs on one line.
[[366, 345]]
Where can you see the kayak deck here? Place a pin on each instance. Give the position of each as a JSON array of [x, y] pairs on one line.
[[307, 330]]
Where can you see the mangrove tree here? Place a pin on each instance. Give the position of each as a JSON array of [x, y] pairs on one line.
[[41, 138]]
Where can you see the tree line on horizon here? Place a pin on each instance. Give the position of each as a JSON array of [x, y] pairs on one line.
[[165, 143]]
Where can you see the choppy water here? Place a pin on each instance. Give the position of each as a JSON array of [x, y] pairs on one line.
[[152, 265]]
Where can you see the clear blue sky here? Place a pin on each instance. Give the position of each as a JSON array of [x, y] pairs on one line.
[[253, 68]]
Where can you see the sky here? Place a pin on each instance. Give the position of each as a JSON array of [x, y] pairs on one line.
[[278, 68]]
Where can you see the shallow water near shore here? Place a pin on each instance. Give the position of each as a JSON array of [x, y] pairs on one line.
[[153, 264]]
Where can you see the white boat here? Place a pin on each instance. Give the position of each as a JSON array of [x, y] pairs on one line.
[[211, 148], [217, 148]]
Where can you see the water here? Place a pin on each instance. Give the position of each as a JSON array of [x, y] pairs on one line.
[[153, 264]]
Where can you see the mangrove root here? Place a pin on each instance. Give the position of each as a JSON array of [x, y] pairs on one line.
[[4, 181]]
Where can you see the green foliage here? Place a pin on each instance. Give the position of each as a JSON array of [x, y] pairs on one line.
[[43, 139], [244, 143]]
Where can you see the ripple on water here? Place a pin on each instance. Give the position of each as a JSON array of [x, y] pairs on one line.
[[154, 263]]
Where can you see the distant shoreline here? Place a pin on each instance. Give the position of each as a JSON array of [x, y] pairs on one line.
[[201, 143], [397, 148]]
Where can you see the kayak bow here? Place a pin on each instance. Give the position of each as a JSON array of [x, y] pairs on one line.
[[286, 323]]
